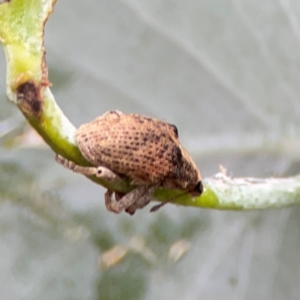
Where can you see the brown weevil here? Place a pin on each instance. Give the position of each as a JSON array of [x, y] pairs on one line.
[[144, 149]]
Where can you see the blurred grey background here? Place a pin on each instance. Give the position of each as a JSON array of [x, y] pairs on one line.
[[227, 74]]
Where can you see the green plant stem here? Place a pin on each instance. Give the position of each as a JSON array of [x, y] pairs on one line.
[[226, 193], [21, 34]]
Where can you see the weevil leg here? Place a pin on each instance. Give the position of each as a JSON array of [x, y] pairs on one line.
[[142, 201], [100, 172], [161, 204], [107, 174], [75, 168], [119, 195], [132, 208], [158, 206], [108, 197], [137, 198]]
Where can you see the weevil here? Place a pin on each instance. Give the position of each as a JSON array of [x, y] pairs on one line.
[[144, 149]]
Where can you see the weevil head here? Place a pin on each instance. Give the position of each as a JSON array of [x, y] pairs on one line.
[[197, 190], [193, 179], [188, 177]]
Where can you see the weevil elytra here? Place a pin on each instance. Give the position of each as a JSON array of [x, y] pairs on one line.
[[145, 149]]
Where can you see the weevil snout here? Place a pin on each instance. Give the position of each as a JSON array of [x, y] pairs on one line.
[[198, 189]]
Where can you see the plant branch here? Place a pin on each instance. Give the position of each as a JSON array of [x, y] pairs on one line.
[[22, 36]]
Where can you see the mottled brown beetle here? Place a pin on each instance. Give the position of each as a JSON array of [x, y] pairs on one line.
[[144, 149]]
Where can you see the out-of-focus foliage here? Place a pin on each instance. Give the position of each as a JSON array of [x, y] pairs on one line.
[[226, 73]]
